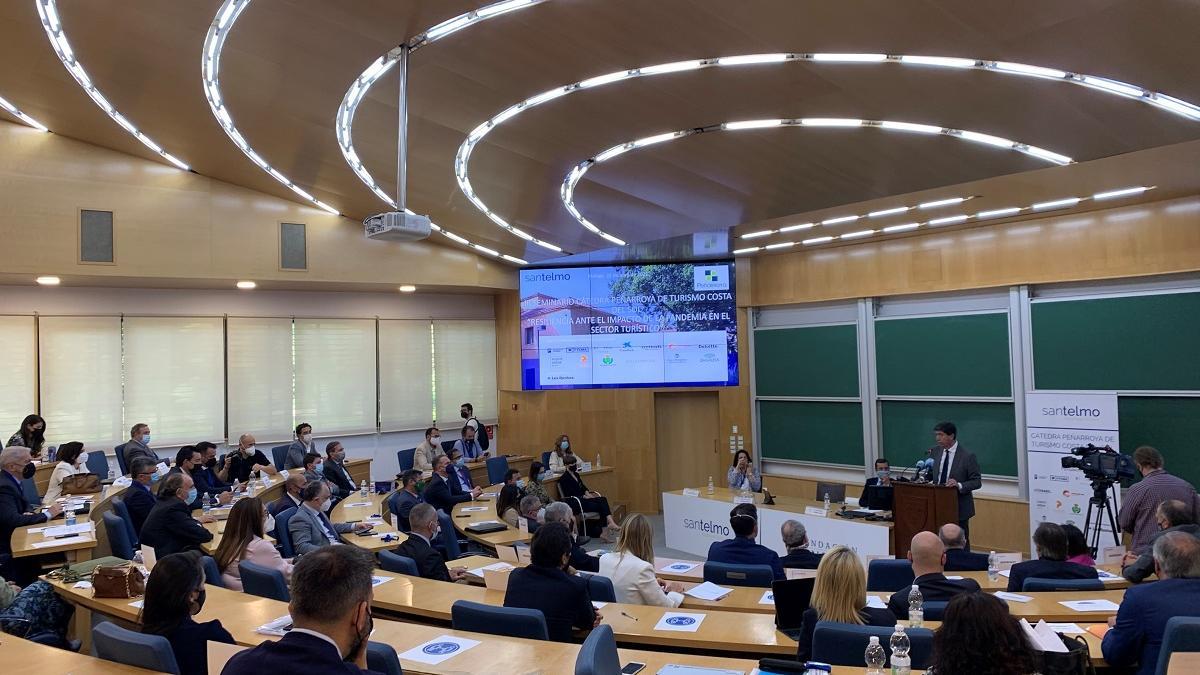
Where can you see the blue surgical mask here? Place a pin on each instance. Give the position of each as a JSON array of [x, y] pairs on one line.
[[521, 483], [146, 439], [564, 445], [154, 477], [460, 462], [191, 498], [318, 467]]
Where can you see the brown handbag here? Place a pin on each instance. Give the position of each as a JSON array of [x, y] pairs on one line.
[[118, 581], [80, 484]]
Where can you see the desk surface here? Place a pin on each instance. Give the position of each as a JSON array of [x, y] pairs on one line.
[[785, 504], [22, 657], [348, 511], [1001, 583], [25, 542], [1184, 663]]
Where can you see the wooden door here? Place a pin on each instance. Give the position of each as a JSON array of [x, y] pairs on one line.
[[686, 436]]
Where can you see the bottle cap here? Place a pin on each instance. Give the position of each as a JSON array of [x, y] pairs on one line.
[[899, 628], [874, 639]]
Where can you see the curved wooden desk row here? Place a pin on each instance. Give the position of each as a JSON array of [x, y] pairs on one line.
[[22, 657]]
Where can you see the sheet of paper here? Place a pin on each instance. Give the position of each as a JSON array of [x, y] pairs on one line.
[[679, 567], [148, 557], [495, 567], [59, 542], [1090, 605], [375, 581], [708, 591], [680, 621], [598, 605], [1069, 628], [473, 509], [815, 511], [691, 492], [276, 627], [1013, 597], [438, 649], [493, 495], [768, 598], [954, 577], [1049, 641], [35, 530], [163, 469], [63, 530], [136, 603], [1006, 573], [357, 504], [876, 601], [82, 584]]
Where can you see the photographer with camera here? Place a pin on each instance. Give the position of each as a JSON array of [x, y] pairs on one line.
[[1141, 500]]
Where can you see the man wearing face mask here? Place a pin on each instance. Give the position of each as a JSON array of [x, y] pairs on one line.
[[423, 531], [139, 497], [16, 511], [469, 446], [335, 471], [291, 494], [443, 490], [188, 460], [170, 527], [300, 447], [408, 496], [467, 412], [459, 473], [138, 445], [331, 618], [428, 450], [310, 528], [545, 585], [206, 478], [245, 461]]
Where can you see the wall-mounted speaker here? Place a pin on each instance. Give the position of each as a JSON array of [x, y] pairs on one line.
[[95, 236]]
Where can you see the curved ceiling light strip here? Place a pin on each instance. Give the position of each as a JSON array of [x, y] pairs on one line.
[[17, 113], [52, 23], [1051, 205], [1107, 86], [567, 189]]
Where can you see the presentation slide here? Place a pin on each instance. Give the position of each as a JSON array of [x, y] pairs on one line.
[[665, 325]]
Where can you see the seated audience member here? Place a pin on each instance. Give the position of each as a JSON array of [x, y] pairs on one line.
[[1140, 501], [742, 474], [469, 447], [928, 558], [138, 445], [534, 486], [530, 508], [71, 460], [139, 497], [1136, 632], [743, 549], [406, 498], [37, 609], [558, 454], [458, 473], [1172, 516], [331, 619], [507, 503], [980, 637], [314, 469], [1051, 544], [423, 531], [958, 559], [16, 511], [174, 594], [205, 476], [443, 491], [1078, 551], [336, 472], [186, 460], [572, 490], [310, 528], [545, 585], [428, 450], [558, 512], [246, 460], [795, 539], [292, 486], [244, 539], [882, 475], [32, 435], [301, 446], [513, 477], [839, 595], [170, 527], [631, 567]]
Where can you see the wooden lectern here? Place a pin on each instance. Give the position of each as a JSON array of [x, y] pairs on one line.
[[920, 507]]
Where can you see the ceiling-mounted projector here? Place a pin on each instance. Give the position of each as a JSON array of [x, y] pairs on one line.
[[397, 226]]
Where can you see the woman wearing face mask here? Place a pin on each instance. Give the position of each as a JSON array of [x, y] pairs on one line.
[[558, 454], [507, 502], [32, 435], [244, 540], [175, 593], [534, 485], [71, 460]]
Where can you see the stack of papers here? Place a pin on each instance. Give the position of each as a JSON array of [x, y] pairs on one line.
[[66, 530], [708, 591], [1042, 637], [495, 567], [278, 627]]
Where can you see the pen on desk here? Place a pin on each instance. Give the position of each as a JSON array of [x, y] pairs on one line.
[[629, 616]]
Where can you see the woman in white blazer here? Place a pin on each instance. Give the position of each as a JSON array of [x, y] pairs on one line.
[[71, 459], [631, 567]]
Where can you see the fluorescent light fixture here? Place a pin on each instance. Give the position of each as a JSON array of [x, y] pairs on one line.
[[501, 7], [909, 126], [995, 213], [941, 202], [604, 79], [943, 61], [1056, 204], [176, 161], [125, 124], [783, 244], [839, 219], [986, 139], [801, 226], [948, 220], [49, 281], [858, 234], [476, 133], [521, 233], [447, 27], [1026, 69], [750, 59], [548, 246], [545, 96], [1124, 192], [246, 285], [760, 233], [671, 67], [651, 140], [1046, 154], [612, 152], [454, 237], [615, 240], [901, 228], [816, 240], [887, 212], [1176, 106], [408, 288], [830, 122], [224, 17], [513, 259], [740, 251], [751, 124], [506, 114], [1119, 88], [329, 209], [373, 70], [850, 58]]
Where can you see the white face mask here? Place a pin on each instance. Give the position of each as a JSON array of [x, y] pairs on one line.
[[434, 440], [326, 504], [306, 438], [82, 459], [269, 524], [250, 450]]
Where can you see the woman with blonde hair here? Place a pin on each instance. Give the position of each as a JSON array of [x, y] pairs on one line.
[[631, 567], [559, 452], [245, 539], [839, 595]]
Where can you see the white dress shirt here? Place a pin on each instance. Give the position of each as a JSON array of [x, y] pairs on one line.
[[948, 461]]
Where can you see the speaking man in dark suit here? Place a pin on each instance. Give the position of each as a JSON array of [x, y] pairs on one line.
[[423, 529], [928, 558], [955, 467]]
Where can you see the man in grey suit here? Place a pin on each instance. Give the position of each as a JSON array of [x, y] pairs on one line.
[[310, 527], [955, 467]]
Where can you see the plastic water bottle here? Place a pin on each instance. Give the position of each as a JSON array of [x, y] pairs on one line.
[[826, 501], [993, 567], [206, 501], [916, 607], [875, 657], [597, 461], [237, 485], [362, 489], [901, 662], [250, 487], [711, 487], [112, 475], [70, 518]]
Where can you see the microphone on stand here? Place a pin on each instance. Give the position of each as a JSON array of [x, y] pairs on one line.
[[918, 466]]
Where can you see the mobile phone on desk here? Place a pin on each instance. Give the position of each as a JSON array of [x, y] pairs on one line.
[[632, 667]]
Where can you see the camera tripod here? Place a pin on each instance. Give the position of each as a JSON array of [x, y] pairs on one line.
[[1100, 504]]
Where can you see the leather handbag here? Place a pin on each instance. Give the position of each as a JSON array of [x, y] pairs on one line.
[[81, 484], [118, 581]]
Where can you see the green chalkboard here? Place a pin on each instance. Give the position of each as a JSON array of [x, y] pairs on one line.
[[965, 355], [809, 361], [1172, 425], [811, 431], [1135, 343], [987, 429]]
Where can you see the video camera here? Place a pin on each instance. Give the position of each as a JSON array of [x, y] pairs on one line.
[[1100, 464]]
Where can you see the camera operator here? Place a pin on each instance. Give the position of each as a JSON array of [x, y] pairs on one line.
[[1142, 499]]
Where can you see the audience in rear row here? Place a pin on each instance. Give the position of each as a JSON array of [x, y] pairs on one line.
[[958, 559], [928, 557], [1050, 540], [742, 549]]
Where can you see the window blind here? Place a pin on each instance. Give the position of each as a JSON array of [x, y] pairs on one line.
[[259, 366], [18, 396], [335, 374], [81, 380], [465, 367], [174, 377], [405, 375]]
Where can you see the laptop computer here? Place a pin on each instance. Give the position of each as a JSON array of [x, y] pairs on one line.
[[877, 497], [791, 599]]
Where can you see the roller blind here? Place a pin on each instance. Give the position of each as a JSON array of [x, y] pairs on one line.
[[260, 378], [81, 380], [335, 374], [405, 375], [17, 372], [465, 367], [174, 377]]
